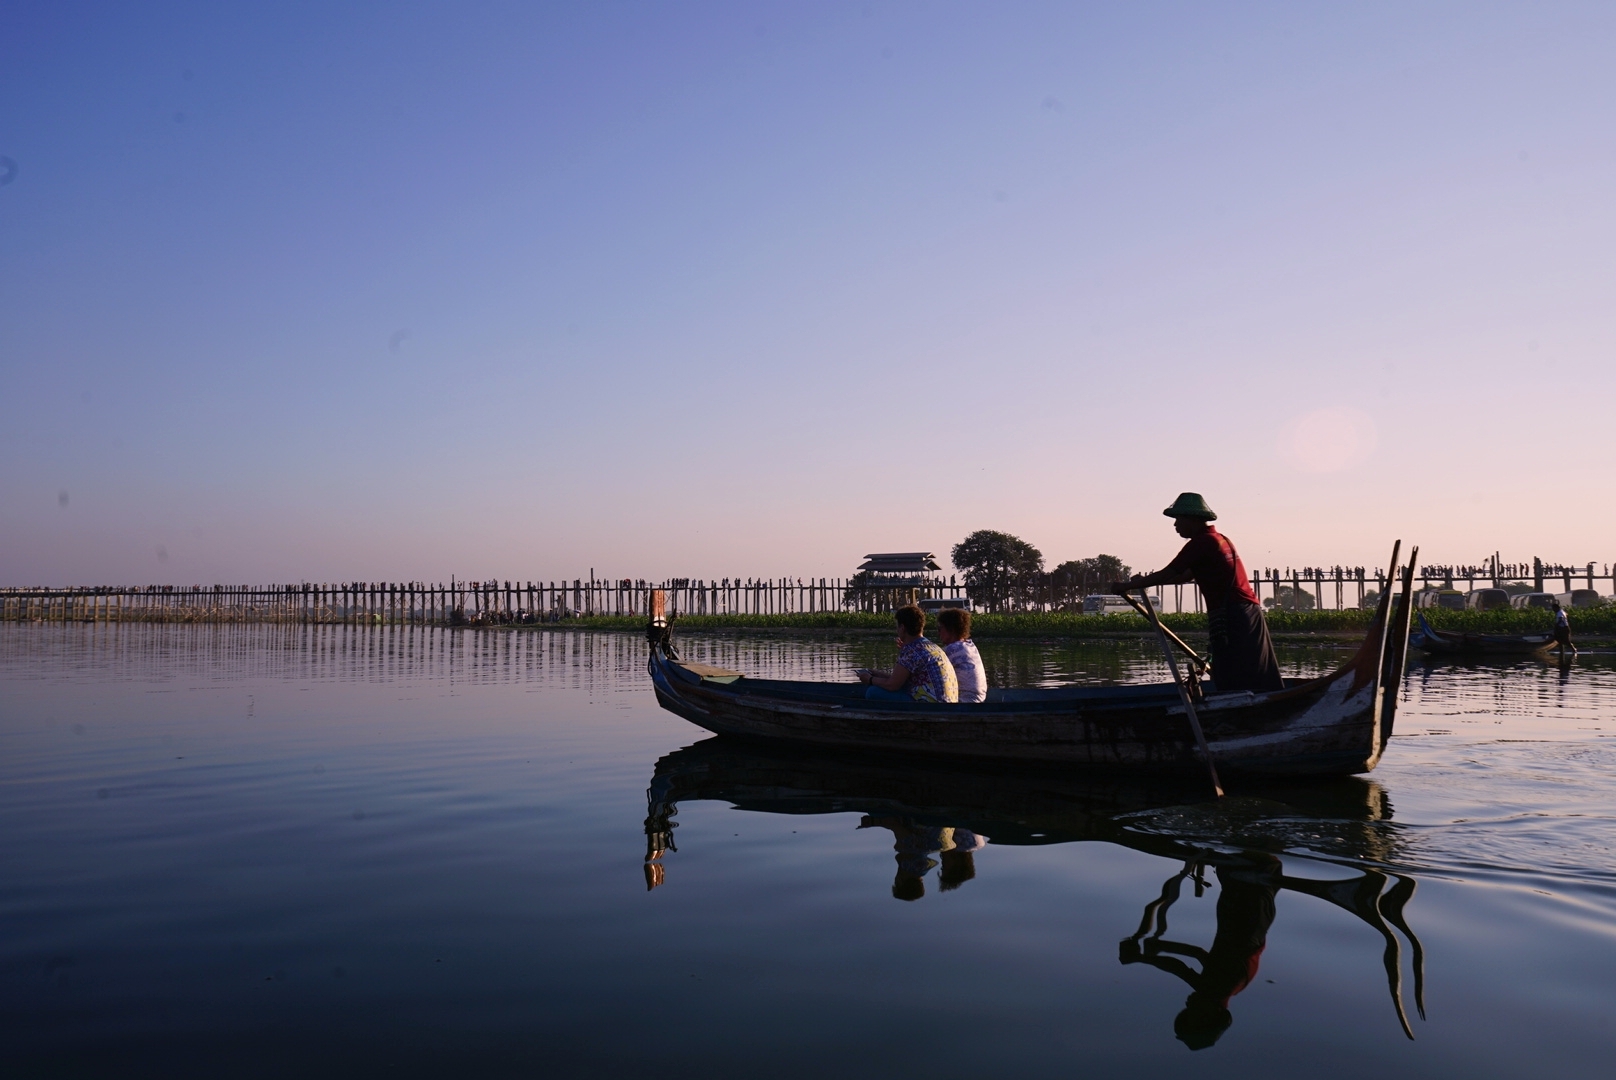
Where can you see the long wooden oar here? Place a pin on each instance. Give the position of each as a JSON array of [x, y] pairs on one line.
[[1200, 662], [1183, 692]]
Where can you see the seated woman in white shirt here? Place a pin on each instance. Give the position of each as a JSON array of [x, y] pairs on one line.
[[954, 635]]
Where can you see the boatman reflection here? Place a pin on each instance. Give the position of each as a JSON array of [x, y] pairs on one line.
[[1245, 912], [1242, 653]]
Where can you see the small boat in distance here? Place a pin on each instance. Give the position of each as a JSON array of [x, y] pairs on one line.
[[1334, 725], [1452, 642]]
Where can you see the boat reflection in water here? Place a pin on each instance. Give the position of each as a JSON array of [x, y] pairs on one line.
[[941, 814]]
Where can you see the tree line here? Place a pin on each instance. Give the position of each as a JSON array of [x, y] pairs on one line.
[[1003, 573]]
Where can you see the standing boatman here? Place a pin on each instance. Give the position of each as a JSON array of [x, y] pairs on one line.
[[1562, 629], [1242, 653]]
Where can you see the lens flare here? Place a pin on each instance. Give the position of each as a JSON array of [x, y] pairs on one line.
[[1328, 440]]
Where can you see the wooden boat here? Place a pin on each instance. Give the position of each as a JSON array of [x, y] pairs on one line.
[[933, 803], [1337, 724], [1449, 642]]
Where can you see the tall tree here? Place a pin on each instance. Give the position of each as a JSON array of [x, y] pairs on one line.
[[1077, 578], [999, 569], [1290, 599]]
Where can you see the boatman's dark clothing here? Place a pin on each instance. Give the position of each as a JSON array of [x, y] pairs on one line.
[[1242, 653]]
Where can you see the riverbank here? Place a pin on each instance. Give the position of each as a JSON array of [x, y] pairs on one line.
[[1587, 623]]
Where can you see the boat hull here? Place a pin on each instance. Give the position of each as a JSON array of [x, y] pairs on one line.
[[1450, 643], [1329, 729]]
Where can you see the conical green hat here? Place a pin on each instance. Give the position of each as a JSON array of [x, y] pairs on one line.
[[1192, 505]]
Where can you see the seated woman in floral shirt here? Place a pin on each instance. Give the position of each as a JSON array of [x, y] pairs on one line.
[[922, 673]]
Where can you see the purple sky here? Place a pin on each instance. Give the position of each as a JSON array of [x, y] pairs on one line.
[[398, 291]]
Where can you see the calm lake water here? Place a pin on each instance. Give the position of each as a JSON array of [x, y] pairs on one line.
[[245, 851]]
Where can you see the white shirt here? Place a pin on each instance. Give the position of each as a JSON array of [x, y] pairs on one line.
[[973, 678]]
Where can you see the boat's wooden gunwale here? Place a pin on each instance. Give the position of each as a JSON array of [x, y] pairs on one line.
[[1029, 698]]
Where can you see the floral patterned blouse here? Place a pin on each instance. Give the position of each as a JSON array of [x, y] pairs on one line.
[[931, 676]]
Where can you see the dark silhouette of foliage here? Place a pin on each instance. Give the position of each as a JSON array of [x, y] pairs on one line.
[[1076, 578], [1000, 570], [1290, 599]]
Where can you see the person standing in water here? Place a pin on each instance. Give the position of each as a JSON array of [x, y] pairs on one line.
[[1242, 652], [1562, 629]]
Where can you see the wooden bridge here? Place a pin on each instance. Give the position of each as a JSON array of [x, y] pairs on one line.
[[495, 602]]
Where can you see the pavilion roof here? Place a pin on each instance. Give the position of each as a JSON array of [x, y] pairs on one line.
[[901, 562]]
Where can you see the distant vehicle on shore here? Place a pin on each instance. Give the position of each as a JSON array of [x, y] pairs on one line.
[[1524, 601], [933, 605], [1452, 599], [1106, 604], [1487, 599], [1580, 598]]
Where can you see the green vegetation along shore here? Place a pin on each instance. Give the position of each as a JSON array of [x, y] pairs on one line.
[[1284, 625]]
